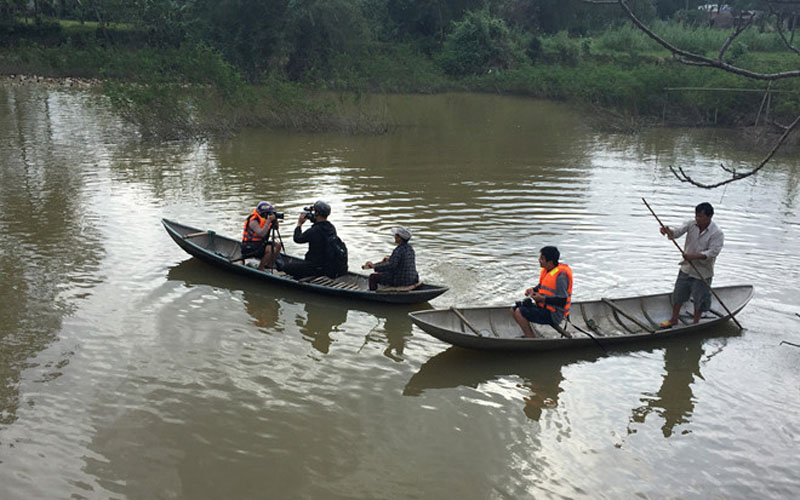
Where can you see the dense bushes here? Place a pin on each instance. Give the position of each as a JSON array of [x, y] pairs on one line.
[[480, 43], [200, 71]]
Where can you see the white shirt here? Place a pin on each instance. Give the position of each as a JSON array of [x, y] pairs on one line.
[[708, 243]]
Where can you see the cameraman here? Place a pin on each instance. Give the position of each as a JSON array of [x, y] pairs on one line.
[[317, 237], [255, 237]]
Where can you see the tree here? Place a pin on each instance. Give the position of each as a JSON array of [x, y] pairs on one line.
[[774, 13], [477, 44]]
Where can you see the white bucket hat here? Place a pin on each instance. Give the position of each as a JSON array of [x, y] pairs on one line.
[[402, 232]]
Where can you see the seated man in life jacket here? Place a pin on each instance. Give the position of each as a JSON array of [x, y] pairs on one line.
[[548, 302], [258, 228]]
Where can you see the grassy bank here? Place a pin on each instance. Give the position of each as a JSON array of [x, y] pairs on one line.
[[191, 90]]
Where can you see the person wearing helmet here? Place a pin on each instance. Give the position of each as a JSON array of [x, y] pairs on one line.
[[255, 237], [400, 268], [317, 237]]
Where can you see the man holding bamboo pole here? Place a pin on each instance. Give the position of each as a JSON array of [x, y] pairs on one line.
[[704, 241]]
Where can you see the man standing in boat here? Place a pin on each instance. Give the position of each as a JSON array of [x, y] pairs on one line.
[[704, 241], [399, 269], [318, 237], [548, 302], [255, 237]]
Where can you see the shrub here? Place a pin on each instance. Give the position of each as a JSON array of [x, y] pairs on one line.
[[478, 44]]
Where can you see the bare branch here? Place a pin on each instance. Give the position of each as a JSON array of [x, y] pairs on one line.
[[779, 29], [736, 176], [700, 60], [736, 32]]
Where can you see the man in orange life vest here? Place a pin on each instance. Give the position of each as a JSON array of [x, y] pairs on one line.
[[549, 301], [255, 236]]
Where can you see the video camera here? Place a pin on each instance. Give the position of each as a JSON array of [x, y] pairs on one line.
[[310, 214], [278, 215]]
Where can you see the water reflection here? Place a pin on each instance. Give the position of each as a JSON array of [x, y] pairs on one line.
[[541, 374], [51, 247], [316, 316], [674, 401], [321, 319]]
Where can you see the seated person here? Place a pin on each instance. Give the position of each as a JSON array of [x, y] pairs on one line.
[[549, 301], [399, 269], [255, 238], [317, 237]]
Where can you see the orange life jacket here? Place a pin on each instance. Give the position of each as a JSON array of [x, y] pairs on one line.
[[547, 286], [248, 234]]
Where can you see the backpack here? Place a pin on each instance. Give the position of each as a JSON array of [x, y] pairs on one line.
[[336, 257]]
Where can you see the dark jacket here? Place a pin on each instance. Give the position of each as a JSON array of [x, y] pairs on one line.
[[401, 270], [317, 238]]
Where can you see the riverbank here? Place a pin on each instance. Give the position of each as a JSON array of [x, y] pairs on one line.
[[193, 90], [64, 82]]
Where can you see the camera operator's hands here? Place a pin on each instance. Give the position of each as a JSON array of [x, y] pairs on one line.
[[368, 265], [301, 220]]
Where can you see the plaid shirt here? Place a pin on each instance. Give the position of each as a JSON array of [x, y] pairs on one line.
[[401, 270]]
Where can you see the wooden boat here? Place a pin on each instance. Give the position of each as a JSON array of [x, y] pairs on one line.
[[605, 322], [226, 253]]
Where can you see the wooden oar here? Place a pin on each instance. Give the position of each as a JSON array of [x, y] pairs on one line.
[[587, 334], [693, 267], [466, 322]]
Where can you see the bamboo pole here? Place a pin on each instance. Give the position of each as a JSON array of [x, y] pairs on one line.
[[695, 268]]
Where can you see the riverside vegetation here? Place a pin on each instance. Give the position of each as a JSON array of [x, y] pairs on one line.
[[194, 68]]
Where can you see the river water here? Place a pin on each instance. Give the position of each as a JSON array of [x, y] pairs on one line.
[[130, 370]]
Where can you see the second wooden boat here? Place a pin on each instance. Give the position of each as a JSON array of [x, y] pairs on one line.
[[608, 321]]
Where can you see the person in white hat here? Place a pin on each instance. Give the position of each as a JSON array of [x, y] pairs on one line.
[[399, 269]]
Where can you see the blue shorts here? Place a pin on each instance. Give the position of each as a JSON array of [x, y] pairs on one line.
[[535, 314]]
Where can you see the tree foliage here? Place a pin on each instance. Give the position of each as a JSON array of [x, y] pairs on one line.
[[479, 43]]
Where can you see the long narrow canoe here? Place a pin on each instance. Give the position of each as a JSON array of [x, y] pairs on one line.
[[609, 321], [226, 253]]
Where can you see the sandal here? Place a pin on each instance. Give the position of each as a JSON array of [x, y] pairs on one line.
[[665, 324]]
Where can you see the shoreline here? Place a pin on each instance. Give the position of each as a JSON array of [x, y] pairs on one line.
[[50, 81]]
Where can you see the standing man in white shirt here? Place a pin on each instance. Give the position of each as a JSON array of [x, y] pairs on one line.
[[704, 241]]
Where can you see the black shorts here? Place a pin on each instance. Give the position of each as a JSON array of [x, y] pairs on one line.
[[535, 314], [255, 249]]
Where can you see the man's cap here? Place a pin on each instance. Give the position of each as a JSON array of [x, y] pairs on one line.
[[402, 232], [322, 209], [264, 207]]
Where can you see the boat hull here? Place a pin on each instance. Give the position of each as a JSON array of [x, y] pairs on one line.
[[223, 252], [605, 322]]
